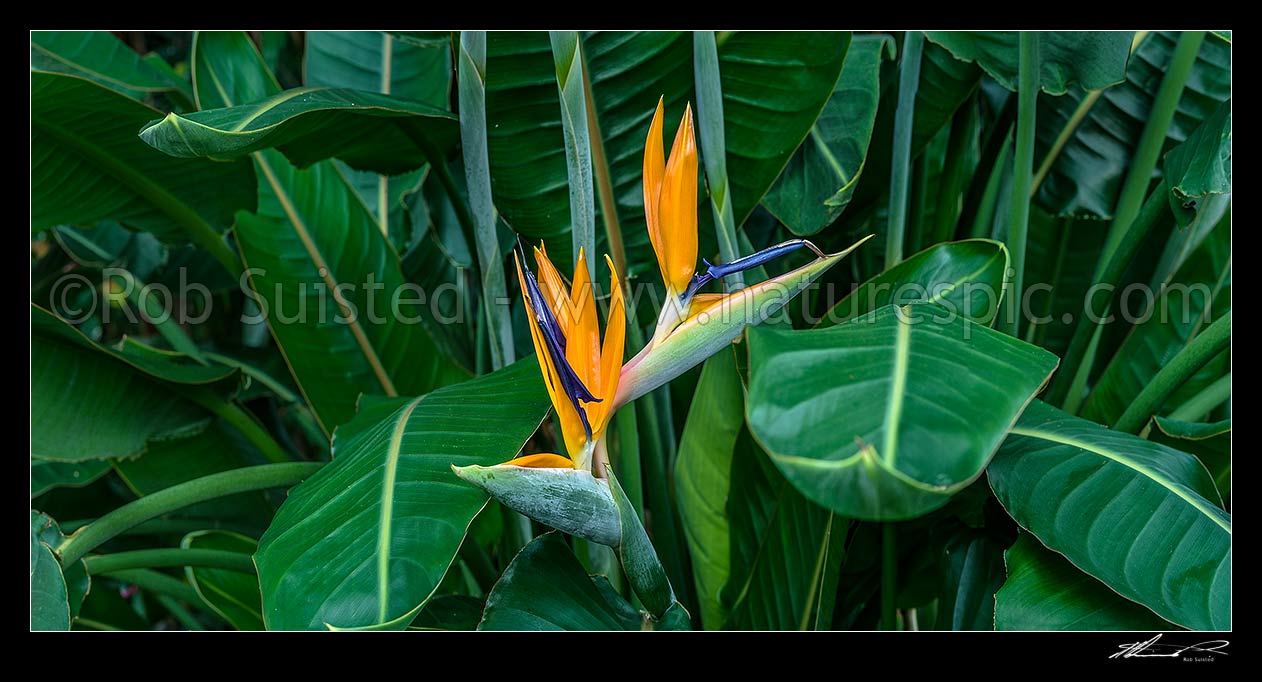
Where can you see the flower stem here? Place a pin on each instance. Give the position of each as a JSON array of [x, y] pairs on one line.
[[179, 496]]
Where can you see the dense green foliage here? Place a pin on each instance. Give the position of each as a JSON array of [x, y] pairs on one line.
[[273, 304]]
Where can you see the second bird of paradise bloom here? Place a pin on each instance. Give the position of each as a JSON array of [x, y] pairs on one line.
[[586, 378]]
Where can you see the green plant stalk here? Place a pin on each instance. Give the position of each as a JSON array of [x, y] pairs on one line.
[[900, 167], [963, 132], [705, 65], [1023, 167], [668, 537], [1183, 241], [158, 583], [1175, 373], [1071, 126], [1201, 404], [180, 613], [168, 558], [1035, 333], [982, 220], [438, 165], [168, 526], [242, 421], [889, 576], [1148, 151], [471, 81], [95, 624], [479, 563], [255, 374], [568, 58], [993, 156], [179, 496], [919, 204], [153, 313], [477, 171], [604, 184], [627, 458], [1066, 133], [1067, 387]]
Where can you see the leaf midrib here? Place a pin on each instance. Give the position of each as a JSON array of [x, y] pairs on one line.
[[387, 508], [898, 389], [317, 259], [94, 73]]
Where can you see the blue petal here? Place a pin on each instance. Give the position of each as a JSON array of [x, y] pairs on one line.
[[715, 272], [556, 342]]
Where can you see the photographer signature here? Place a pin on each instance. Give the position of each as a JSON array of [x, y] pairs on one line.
[[1152, 649]]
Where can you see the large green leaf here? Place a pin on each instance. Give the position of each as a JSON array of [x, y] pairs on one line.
[[786, 551], [1092, 59], [104, 59], [546, 589], [88, 165], [1201, 166], [1141, 517], [46, 474], [1087, 175], [703, 478], [887, 416], [311, 236], [379, 62], [972, 571], [231, 594], [1200, 294], [964, 276], [75, 411], [50, 605], [819, 180], [1210, 443], [1046, 592], [774, 85], [367, 539], [313, 124], [311, 243]]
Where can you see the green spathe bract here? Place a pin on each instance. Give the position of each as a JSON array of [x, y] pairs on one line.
[[570, 500]]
